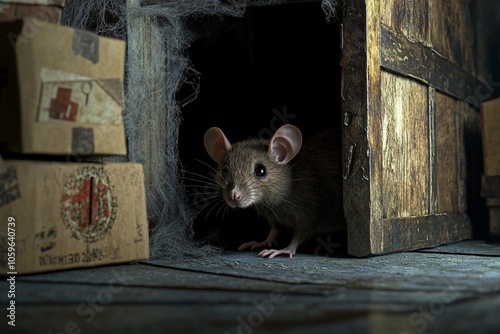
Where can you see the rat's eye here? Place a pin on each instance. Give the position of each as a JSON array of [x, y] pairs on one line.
[[224, 170], [260, 170]]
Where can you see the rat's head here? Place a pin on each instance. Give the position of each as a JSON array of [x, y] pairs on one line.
[[253, 171]]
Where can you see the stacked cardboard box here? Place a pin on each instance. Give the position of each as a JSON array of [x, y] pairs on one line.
[[45, 10], [490, 115], [61, 95]]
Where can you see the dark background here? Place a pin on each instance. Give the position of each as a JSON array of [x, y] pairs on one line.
[[276, 64]]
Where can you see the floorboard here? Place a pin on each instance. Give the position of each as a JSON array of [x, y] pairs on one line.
[[448, 289]]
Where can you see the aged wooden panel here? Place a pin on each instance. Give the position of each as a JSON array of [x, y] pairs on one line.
[[465, 113], [412, 233], [432, 151], [494, 228], [490, 118], [416, 148], [356, 163], [446, 146], [405, 147], [400, 55], [374, 126], [452, 31], [490, 186], [408, 17]]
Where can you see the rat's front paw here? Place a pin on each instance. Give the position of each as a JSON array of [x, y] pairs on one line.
[[255, 244], [270, 253]]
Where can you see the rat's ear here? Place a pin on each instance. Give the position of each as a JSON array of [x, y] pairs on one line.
[[216, 144], [285, 143]]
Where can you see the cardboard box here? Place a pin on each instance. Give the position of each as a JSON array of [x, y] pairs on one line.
[[69, 215], [490, 117], [45, 10], [61, 90]]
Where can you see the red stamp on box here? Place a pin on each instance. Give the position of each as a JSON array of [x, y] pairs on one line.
[[62, 107], [88, 207]]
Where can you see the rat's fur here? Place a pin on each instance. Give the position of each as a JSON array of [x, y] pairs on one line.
[[304, 195]]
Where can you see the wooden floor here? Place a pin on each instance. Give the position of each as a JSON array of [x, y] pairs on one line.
[[449, 289]]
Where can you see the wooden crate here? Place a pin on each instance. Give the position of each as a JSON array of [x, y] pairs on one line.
[[407, 76]]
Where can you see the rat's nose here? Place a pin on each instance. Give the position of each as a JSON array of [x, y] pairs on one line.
[[236, 195]]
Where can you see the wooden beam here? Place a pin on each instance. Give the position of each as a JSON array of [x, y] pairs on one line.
[[356, 161], [420, 62], [490, 186], [403, 234]]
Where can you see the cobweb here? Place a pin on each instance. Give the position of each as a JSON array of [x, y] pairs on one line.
[[155, 71]]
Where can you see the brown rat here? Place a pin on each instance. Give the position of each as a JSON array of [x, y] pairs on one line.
[[292, 185]]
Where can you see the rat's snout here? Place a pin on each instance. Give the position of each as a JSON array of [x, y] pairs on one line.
[[236, 195], [236, 198]]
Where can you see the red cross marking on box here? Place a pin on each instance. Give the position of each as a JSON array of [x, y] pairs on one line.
[[62, 107]]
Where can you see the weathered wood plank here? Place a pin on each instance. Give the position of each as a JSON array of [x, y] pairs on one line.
[[408, 17], [493, 205], [490, 120], [433, 203], [150, 276], [476, 316], [381, 294], [446, 145], [405, 139], [438, 316], [356, 168], [400, 271], [490, 186], [465, 112], [493, 201], [470, 247], [452, 31], [400, 55], [420, 232], [374, 126], [31, 293], [494, 228]]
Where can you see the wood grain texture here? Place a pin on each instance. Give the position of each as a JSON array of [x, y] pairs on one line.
[[446, 146], [432, 151], [453, 31], [411, 18], [420, 232], [490, 119], [490, 186], [356, 164], [374, 126], [405, 140], [400, 55], [290, 315], [494, 228], [465, 112], [470, 247], [306, 294]]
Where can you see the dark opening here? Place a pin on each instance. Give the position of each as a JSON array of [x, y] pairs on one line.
[[276, 65]]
